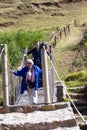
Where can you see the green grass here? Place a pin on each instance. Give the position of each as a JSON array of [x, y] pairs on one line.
[[77, 79], [81, 76], [43, 20], [18, 40], [74, 83]]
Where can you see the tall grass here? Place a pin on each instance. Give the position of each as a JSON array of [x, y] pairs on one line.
[[18, 40]]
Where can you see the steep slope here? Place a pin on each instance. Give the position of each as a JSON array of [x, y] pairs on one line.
[[70, 53], [40, 14]]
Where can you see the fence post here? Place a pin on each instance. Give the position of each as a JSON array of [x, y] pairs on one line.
[[64, 29], [52, 73], [55, 41], [60, 34], [5, 76], [75, 22], [68, 27], [25, 57], [45, 75]]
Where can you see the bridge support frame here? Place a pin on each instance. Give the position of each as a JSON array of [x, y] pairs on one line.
[[45, 75], [5, 76]]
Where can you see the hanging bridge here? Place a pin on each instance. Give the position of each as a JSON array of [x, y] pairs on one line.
[[49, 96]]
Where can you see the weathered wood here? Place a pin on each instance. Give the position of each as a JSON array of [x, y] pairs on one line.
[[52, 74], [45, 75], [64, 29], [25, 57], [68, 27], [5, 76], [75, 22], [55, 41], [60, 34]]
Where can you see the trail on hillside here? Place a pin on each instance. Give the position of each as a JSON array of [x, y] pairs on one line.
[[69, 53]]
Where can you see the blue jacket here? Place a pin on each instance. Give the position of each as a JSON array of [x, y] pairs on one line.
[[23, 73], [36, 55]]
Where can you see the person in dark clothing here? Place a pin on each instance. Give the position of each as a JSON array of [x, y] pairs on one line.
[[36, 53]]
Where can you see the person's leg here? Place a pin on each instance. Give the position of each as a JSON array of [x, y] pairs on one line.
[[40, 81], [35, 97], [30, 92]]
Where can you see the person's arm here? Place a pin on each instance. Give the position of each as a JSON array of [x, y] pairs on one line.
[[19, 72], [39, 70], [30, 51]]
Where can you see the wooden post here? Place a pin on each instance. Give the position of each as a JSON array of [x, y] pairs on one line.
[[68, 26], [52, 74], [45, 75], [60, 34], [75, 22], [5, 76], [55, 41], [25, 57], [64, 29]]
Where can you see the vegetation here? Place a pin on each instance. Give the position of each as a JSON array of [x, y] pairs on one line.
[[77, 79], [23, 25], [17, 41]]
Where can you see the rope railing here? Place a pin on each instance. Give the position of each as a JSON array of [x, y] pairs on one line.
[[1, 52], [14, 85], [60, 80], [59, 34], [10, 83], [14, 82]]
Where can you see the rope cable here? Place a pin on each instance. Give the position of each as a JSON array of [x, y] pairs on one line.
[[1, 52], [67, 92], [19, 96]]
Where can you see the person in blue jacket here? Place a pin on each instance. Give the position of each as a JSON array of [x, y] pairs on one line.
[[36, 53], [30, 74]]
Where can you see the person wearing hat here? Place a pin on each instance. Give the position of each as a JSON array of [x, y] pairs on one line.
[[30, 74]]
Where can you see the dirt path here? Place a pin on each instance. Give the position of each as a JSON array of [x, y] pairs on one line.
[[65, 52]]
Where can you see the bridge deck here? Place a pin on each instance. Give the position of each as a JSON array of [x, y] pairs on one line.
[[24, 98]]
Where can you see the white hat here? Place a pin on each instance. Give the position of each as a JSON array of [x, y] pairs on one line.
[[30, 61]]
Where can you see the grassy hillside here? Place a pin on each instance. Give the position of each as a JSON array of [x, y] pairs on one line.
[[70, 52], [39, 14], [48, 16]]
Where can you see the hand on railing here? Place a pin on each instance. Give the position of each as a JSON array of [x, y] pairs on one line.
[[11, 71], [25, 55]]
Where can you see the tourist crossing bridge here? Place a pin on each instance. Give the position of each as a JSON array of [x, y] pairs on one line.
[[11, 83], [50, 96], [48, 114]]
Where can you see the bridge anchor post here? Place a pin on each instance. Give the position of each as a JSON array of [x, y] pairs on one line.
[[5, 76]]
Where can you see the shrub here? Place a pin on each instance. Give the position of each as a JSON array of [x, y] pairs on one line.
[[82, 75]]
